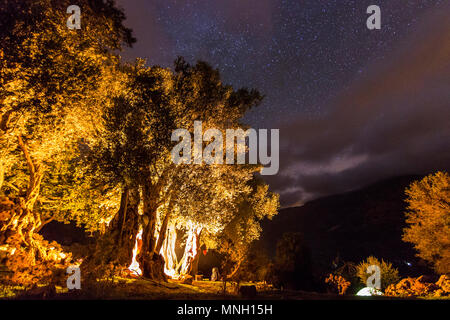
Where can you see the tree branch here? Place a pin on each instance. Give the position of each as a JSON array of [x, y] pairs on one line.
[[36, 175]]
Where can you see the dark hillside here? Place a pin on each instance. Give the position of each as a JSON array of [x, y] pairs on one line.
[[352, 226]]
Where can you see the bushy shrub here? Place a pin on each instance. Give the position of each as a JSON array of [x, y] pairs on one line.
[[389, 274], [337, 283], [347, 270], [419, 287]]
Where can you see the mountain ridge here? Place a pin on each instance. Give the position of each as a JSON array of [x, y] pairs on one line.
[[351, 225]]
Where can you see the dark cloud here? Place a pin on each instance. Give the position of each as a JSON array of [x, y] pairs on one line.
[[393, 120]]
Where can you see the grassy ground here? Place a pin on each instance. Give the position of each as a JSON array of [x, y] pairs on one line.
[[142, 289], [124, 288], [136, 289]]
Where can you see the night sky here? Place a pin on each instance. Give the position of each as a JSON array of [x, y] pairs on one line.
[[353, 105]]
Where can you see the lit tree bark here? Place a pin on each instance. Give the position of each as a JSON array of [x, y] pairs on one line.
[[191, 251], [193, 269], [29, 256], [125, 226], [36, 174], [24, 221], [236, 268], [187, 264], [168, 250], [164, 225], [2, 174], [151, 262]]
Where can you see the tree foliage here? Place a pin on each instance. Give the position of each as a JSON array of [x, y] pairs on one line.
[[389, 274], [54, 82], [428, 219], [85, 137], [244, 228]]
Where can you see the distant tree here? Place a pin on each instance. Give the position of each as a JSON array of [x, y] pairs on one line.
[[244, 228], [428, 219], [255, 267], [389, 274], [292, 266]]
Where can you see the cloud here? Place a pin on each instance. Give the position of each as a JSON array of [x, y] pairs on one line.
[[393, 120]]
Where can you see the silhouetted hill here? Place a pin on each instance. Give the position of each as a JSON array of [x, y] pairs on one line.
[[353, 225]]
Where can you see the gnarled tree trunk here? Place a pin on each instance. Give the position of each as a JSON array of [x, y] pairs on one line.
[[151, 262], [188, 264], [115, 246], [193, 270], [2, 174], [22, 220], [125, 226], [29, 256], [164, 226]]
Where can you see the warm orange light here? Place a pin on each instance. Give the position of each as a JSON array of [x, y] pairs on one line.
[[134, 266]]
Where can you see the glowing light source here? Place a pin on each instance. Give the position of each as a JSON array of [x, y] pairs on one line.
[[172, 267], [368, 291], [134, 266]]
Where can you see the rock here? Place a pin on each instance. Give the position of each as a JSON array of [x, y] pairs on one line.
[[411, 287], [39, 293], [198, 277], [439, 293], [444, 284], [248, 291], [187, 279], [215, 275]]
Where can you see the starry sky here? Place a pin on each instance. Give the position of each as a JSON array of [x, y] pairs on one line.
[[353, 105]]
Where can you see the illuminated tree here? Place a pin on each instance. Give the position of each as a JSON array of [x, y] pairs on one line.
[[136, 135], [53, 82], [134, 152], [428, 219], [207, 196], [71, 192], [86, 138], [388, 274], [208, 199], [244, 228]]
